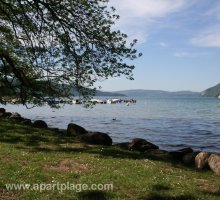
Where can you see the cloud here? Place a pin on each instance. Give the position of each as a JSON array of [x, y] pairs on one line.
[[208, 38], [148, 8], [136, 17], [163, 44]]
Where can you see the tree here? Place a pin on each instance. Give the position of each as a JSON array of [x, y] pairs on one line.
[[48, 47]]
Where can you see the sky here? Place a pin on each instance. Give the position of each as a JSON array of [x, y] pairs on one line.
[[180, 42]]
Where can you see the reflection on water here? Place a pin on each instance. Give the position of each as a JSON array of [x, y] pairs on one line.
[[170, 123]]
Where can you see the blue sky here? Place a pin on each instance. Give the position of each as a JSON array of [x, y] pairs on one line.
[[180, 42]]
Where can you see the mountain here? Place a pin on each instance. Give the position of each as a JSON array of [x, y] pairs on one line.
[[109, 94], [156, 93], [100, 93], [212, 91]]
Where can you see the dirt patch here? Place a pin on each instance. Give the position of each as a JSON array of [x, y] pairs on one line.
[[207, 187], [8, 195], [69, 165]]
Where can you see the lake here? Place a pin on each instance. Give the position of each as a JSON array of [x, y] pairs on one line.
[[170, 122]]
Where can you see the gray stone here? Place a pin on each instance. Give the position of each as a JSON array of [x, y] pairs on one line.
[[141, 145], [75, 130], [97, 138], [214, 163]]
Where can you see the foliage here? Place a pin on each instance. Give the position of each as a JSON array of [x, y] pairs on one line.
[[212, 92], [48, 47]]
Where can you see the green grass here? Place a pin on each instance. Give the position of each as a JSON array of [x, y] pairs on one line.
[[31, 155]]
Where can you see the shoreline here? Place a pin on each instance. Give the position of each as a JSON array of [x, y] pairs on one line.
[[41, 155], [187, 156], [169, 133]]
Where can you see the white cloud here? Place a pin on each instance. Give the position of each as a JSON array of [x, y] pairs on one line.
[[208, 38], [163, 44], [136, 16], [148, 8]]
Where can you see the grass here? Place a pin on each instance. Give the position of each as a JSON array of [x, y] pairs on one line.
[[31, 155]]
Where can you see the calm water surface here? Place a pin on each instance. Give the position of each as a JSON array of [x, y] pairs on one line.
[[171, 123]]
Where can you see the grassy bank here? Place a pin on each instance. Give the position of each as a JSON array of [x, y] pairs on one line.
[[31, 155]]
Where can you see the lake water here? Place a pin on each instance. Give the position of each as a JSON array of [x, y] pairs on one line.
[[170, 122]]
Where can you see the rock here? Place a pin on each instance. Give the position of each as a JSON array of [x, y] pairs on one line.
[[2, 110], [142, 145], [6, 114], [214, 163], [189, 158], [16, 116], [179, 154], [97, 138], [40, 124], [75, 130], [123, 145], [201, 160], [26, 122]]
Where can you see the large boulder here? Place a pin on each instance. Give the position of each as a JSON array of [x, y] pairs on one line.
[[2, 110], [201, 160], [214, 163], [40, 124], [141, 145], [75, 130], [97, 138], [179, 154]]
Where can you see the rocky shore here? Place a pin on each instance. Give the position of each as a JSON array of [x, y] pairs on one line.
[[197, 159]]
